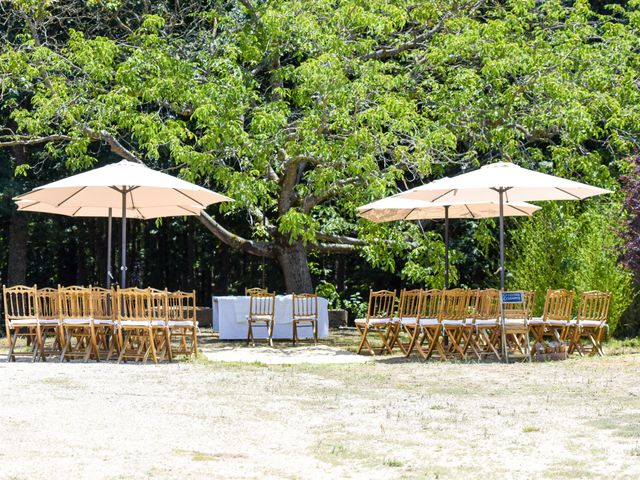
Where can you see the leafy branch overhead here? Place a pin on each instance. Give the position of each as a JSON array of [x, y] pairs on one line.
[[301, 111]]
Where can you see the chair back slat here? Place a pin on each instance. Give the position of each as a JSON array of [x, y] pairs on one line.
[[182, 306], [488, 305], [75, 302], [410, 304], [132, 305], [381, 304], [101, 303], [558, 305], [48, 303], [304, 305], [20, 302], [158, 304], [594, 306], [431, 303], [262, 303], [455, 304]]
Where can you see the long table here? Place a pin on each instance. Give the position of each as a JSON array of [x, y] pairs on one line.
[[229, 318]]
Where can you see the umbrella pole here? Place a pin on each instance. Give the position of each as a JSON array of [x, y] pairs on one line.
[[109, 229], [123, 248], [505, 353], [446, 246]]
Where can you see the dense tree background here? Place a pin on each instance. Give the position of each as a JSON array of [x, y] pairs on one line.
[[303, 110]]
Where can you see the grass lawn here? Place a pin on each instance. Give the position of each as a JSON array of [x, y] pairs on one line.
[[391, 418]]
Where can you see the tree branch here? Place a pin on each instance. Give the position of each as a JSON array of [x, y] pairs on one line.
[[26, 141], [335, 248], [114, 144], [261, 249], [389, 51], [316, 199]]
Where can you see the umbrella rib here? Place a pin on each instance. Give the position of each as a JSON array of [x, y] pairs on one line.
[[71, 196], [446, 193], [408, 214], [76, 211], [193, 200], [185, 209], [569, 193], [517, 208], [30, 205], [469, 210]]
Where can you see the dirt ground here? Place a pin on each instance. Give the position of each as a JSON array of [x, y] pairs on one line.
[[389, 418]]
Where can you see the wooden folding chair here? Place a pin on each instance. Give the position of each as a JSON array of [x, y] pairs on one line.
[[427, 339], [159, 318], [104, 322], [305, 312], [182, 323], [76, 317], [516, 326], [407, 320], [49, 319], [132, 309], [379, 320], [590, 323], [21, 321], [470, 333], [261, 313], [555, 318], [453, 318], [252, 291], [486, 323]]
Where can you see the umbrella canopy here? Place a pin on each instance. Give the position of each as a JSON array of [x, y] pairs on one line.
[[105, 187], [394, 208], [397, 208], [141, 213], [518, 185], [138, 191]]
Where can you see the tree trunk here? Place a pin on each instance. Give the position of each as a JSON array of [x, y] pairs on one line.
[[17, 265], [295, 269], [17, 243]]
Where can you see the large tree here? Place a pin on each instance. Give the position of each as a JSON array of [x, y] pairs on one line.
[[302, 110]]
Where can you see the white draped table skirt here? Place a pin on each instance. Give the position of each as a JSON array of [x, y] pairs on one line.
[[230, 318]]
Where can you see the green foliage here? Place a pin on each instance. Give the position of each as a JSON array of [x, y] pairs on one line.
[[565, 246], [302, 111]]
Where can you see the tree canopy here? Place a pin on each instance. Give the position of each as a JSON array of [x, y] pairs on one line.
[[303, 110]]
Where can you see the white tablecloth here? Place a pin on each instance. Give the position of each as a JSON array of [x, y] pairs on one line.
[[230, 318]]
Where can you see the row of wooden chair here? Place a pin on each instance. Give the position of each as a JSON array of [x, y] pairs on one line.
[[459, 323], [262, 313], [92, 322]]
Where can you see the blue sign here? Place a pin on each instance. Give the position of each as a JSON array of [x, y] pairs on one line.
[[511, 297]]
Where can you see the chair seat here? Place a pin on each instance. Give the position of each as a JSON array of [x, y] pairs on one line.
[[591, 323], [536, 321], [135, 323], [103, 321], [557, 322], [485, 323], [76, 321], [22, 322], [259, 318], [408, 320], [305, 318], [180, 323], [514, 322], [453, 323], [373, 321], [49, 321], [425, 322]]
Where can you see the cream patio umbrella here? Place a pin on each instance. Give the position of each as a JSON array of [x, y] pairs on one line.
[[134, 189], [501, 182], [395, 208]]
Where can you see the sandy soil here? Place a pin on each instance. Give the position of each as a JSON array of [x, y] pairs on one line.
[[386, 419]]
